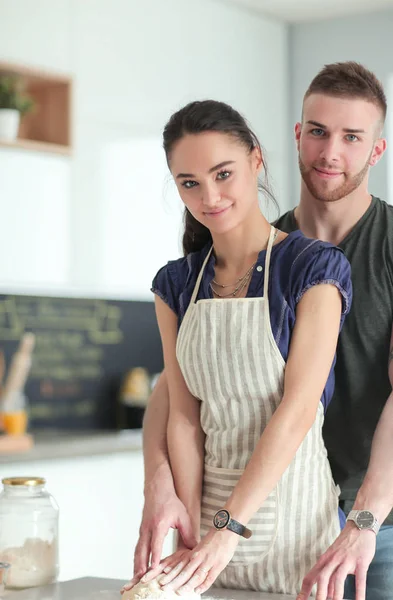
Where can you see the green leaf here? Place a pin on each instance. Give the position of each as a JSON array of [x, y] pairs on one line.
[[13, 96]]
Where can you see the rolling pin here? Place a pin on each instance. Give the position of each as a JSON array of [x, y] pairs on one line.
[[19, 369]]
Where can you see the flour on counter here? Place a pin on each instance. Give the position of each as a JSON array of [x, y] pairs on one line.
[[153, 591], [33, 564]]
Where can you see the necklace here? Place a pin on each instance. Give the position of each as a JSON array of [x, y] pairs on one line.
[[239, 284], [237, 289], [221, 285]]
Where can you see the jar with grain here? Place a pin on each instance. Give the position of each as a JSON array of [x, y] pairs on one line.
[[29, 518]]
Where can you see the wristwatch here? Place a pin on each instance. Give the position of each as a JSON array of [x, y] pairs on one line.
[[223, 520], [364, 519]]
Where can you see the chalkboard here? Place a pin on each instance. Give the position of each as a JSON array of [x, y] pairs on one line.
[[83, 349]]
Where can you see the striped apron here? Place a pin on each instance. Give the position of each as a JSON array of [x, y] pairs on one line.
[[230, 361]]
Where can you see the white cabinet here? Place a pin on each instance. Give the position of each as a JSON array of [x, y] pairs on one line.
[[35, 237]]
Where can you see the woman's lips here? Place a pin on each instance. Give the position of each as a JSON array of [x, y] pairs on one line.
[[217, 213]]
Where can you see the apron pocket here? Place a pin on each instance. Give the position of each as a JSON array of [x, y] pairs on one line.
[[218, 485]]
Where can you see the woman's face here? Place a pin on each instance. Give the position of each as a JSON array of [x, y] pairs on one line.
[[217, 179]]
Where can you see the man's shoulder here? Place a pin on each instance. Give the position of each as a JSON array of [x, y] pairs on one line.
[[286, 222], [376, 225], [383, 209]]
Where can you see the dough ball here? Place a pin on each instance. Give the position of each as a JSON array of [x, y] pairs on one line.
[[153, 591]]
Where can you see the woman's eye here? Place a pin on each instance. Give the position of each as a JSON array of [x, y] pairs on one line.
[[223, 174], [317, 132], [188, 184]]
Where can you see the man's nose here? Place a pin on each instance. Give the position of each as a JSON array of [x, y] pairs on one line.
[[330, 150]]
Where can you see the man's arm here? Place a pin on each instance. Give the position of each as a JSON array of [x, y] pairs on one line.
[[376, 492], [354, 550], [163, 508]]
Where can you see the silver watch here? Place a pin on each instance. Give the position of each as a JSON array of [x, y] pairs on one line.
[[364, 519]]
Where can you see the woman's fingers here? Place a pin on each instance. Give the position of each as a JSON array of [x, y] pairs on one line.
[[209, 580], [177, 578], [174, 571], [197, 579]]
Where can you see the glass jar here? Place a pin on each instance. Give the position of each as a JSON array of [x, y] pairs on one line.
[[29, 518], [3, 577]]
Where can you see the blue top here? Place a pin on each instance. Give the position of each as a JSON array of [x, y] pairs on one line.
[[296, 264]]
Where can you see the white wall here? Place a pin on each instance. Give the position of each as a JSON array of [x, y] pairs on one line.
[[364, 38], [134, 63]]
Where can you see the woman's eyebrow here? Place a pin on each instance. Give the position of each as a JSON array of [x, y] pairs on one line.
[[215, 168]]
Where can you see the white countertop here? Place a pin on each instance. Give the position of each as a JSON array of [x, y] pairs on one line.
[[94, 588], [55, 444]]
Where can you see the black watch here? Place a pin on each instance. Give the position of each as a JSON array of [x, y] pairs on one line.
[[223, 520]]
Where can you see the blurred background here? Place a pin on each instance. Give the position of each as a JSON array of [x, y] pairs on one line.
[[89, 214]]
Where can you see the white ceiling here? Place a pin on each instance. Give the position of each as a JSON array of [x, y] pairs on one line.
[[297, 11]]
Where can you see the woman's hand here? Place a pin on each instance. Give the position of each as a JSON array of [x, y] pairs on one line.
[[189, 570]]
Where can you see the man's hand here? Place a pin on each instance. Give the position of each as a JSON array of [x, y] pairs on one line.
[[163, 510], [350, 554]]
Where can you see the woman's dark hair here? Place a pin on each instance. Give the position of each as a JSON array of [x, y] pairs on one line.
[[198, 117]]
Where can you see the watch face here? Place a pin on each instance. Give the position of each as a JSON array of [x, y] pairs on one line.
[[365, 520], [221, 519]]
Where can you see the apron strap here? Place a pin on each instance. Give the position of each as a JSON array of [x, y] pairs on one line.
[[198, 281], [267, 268]]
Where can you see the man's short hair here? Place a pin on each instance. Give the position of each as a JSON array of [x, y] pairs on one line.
[[349, 80]]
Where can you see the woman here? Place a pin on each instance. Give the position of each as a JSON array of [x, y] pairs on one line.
[[249, 321]]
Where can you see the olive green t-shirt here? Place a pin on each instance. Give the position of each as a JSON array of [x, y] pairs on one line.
[[362, 383]]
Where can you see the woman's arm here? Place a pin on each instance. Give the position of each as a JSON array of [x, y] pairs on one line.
[[311, 354], [185, 435]]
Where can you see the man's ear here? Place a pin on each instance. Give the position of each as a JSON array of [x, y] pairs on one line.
[[378, 151], [298, 131]]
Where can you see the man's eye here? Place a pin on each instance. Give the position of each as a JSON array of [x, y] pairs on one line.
[[223, 174], [317, 132], [351, 137], [188, 184]]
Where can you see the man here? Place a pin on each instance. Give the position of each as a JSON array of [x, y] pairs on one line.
[[338, 141]]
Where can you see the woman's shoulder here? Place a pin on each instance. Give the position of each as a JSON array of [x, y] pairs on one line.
[[303, 262], [297, 252], [179, 270], [296, 245], [176, 276]]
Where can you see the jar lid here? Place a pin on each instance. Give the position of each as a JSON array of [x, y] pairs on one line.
[[24, 481]]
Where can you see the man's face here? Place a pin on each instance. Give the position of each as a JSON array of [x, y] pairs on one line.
[[337, 142]]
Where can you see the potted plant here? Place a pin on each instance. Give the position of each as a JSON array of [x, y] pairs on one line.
[[14, 104]]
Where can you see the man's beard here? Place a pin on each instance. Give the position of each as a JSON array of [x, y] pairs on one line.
[[350, 183]]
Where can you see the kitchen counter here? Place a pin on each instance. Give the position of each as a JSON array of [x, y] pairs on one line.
[[94, 588], [59, 444]]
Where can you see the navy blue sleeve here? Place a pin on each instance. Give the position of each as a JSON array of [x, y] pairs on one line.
[[165, 285], [170, 283], [321, 263]]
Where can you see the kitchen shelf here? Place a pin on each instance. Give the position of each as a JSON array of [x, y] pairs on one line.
[[48, 127], [36, 146]]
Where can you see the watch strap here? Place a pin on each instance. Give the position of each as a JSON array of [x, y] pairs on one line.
[[238, 528]]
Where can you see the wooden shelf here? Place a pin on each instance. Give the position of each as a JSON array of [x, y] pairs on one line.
[[48, 127], [36, 146]]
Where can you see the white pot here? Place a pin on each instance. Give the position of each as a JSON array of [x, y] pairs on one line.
[[9, 123]]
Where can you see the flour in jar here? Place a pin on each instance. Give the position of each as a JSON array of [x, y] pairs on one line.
[[33, 564]]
